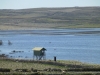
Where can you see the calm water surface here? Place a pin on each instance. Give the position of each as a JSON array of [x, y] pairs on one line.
[[66, 44]]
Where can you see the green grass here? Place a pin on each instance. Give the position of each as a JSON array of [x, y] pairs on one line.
[[44, 64], [28, 65], [70, 67]]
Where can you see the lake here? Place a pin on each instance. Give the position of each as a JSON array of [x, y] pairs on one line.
[[66, 44]]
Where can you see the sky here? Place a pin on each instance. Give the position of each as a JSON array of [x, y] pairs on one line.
[[23, 4]]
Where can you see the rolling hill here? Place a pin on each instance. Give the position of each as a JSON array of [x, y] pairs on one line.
[[68, 17]]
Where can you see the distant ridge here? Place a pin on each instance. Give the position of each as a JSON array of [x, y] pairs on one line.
[[67, 17]]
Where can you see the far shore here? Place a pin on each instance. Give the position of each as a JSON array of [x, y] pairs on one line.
[[13, 27], [79, 31], [36, 28]]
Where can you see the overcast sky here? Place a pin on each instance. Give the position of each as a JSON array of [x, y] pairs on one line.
[[22, 4]]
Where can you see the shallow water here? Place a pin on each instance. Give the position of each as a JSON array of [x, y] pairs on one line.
[[66, 44]]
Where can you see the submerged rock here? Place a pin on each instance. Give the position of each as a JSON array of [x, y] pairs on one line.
[[1, 42]]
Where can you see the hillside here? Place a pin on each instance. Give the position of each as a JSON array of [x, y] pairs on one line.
[[72, 17]]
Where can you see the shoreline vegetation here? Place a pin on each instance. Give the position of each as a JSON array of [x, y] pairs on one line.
[[4, 27], [48, 67]]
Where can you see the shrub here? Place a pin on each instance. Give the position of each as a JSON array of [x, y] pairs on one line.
[[37, 73], [22, 70], [34, 70], [4, 70], [91, 69]]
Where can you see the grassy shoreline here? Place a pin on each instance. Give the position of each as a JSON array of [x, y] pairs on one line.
[[4, 27], [49, 67]]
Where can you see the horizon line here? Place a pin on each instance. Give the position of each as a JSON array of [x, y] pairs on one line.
[[46, 7]]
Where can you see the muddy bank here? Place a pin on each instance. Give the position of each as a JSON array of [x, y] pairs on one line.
[[52, 31]]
